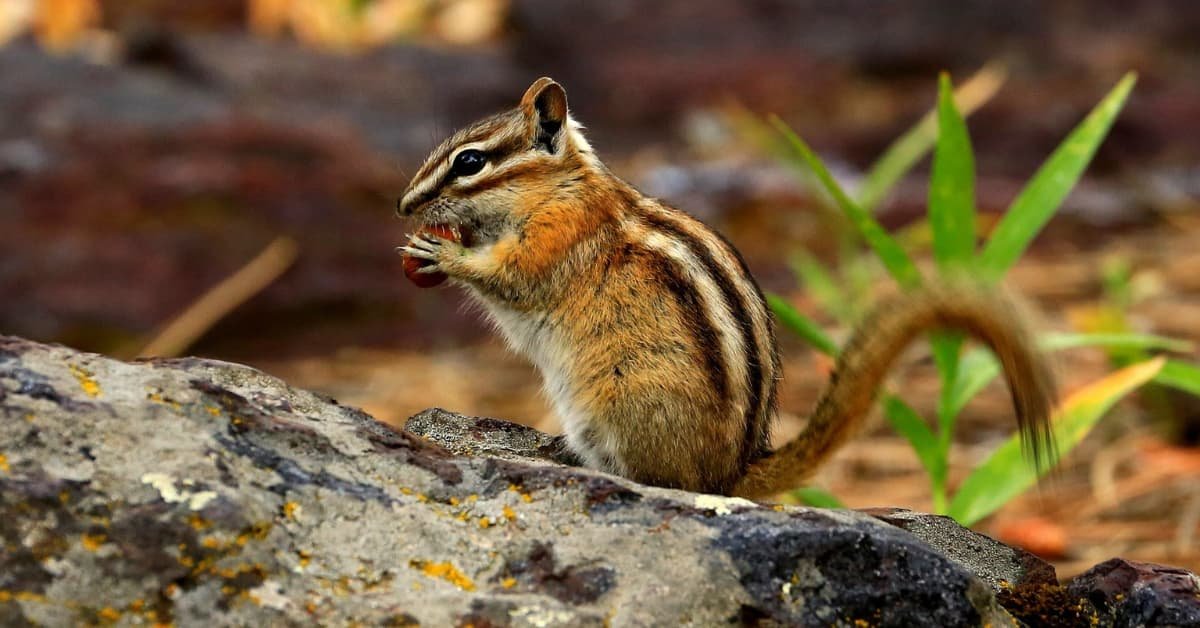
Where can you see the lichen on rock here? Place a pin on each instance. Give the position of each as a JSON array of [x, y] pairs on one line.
[[206, 493]]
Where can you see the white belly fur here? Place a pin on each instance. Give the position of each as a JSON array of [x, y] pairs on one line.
[[531, 336]]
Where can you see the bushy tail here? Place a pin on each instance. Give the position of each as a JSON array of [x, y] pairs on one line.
[[983, 314]]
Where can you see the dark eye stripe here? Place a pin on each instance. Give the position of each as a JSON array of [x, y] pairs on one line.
[[496, 155]]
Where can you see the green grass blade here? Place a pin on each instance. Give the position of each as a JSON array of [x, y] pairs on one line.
[[908, 149], [978, 368], [897, 262], [946, 350], [817, 498], [820, 283], [1180, 375], [1041, 197], [802, 325], [1150, 342], [924, 442], [1007, 473], [952, 186]]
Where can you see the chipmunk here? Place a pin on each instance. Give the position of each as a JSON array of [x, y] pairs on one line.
[[654, 342]]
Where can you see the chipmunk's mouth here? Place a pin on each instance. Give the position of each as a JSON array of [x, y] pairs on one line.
[[462, 234]]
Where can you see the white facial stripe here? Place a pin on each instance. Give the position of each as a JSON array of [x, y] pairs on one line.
[[427, 184], [435, 176], [716, 311]]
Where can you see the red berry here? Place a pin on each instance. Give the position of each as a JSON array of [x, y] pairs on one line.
[[411, 264]]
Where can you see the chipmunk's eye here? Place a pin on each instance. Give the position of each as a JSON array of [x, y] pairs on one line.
[[468, 163]]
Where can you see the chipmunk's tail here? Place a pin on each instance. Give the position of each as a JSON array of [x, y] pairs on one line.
[[981, 313]]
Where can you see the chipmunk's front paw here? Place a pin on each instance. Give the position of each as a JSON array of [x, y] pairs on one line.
[[440, 253]]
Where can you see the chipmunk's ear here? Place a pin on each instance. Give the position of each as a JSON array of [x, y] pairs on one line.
[[545, 106]]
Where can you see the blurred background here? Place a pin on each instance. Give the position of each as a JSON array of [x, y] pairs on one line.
[[219, 178]]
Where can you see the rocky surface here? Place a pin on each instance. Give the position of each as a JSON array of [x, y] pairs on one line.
[[201, 492], [1140, 594]]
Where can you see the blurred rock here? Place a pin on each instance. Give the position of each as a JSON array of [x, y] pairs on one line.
[[126, 193], [1132, 594], [995, 563]]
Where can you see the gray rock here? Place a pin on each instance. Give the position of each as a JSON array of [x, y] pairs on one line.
[[207, 493], [997, 564], [1130, 594], [202, 492], [479, 436]]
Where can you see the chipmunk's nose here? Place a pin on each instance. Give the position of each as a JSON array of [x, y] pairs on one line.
[[405, 205]]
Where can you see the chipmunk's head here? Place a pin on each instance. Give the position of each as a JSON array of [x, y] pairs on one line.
[[474, 179]]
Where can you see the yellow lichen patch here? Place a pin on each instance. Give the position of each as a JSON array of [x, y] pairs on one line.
[[305, 557], [445, 571], [421, 497], [198, 523], [472, 498], [453, 501], [137, 605], [89, 385], [291, 510], [21, 596], [484, 522], [525, 497], [229, 573], [92, 542], [210, 542], [509, 513], [257, 531], [29, 418], [213, 410], [508, 583], [3, 463], [404, 490], [166, 401], [109, 613]]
